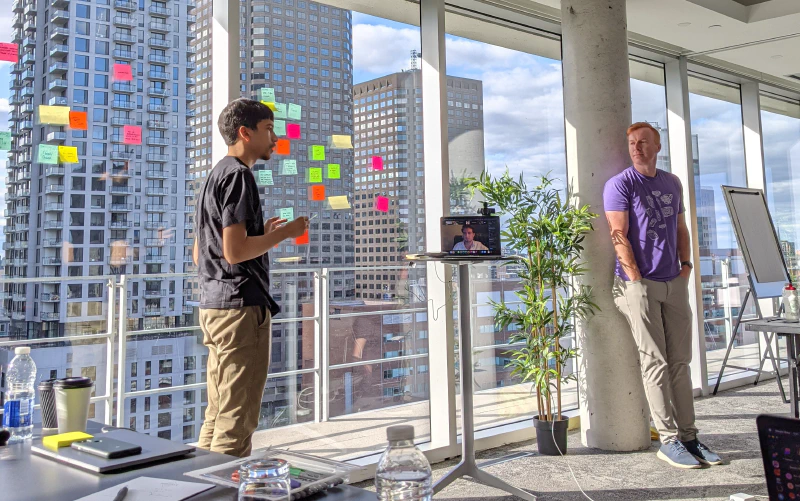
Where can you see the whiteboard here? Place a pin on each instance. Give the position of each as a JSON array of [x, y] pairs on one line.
[[758, 240]]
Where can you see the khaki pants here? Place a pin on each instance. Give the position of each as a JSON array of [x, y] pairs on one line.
[[238, 342], [661, 323]]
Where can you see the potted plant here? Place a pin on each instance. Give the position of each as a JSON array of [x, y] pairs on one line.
[[546, 231]]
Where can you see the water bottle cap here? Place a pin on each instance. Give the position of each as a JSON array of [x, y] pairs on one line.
[[790, 287], [22, 350], [400, 432]]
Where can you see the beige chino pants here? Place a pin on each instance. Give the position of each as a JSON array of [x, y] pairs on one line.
[[661, 324], [238, 342]]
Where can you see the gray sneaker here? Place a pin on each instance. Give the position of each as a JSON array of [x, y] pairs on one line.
[[676, 454], [702, 453]]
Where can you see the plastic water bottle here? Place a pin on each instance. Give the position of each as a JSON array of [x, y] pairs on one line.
[[791, 304], [403, 472], [18, 407]]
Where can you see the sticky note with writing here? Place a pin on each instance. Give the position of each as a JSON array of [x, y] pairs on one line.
[[338, 142], [279, 127], [338, 202], [48, 154], [293, 131], [280, 111], [282, 147], [288, 167], [131, 134], [315, 175], [286, 213], [68, 154], [294, 111], [377, 163], [5, 140], [54, 115], [334, 171], [265, 178], [9, 52], [381, 204], [78, 120], [316, 152], [303, 240], [268, 94], [317, 193], [123, 72]]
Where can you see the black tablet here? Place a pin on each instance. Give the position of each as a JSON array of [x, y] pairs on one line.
[[780, 450]]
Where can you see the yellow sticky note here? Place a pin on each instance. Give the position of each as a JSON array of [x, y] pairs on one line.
[[54, 115], [53, 442], [315, 175], [68, 154], [269, 105], [341, 143], [339, 202]]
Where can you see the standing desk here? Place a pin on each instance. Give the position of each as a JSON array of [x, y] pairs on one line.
[[791, 331]]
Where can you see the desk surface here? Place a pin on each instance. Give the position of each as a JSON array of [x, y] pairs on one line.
[[767, 325], [25, 476]]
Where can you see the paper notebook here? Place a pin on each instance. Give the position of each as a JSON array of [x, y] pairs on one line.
[[149, 488]]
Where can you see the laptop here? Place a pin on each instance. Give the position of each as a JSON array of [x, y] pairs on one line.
[[780, 450]]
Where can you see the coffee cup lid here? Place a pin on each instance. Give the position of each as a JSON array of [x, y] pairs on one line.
[[73, 382], [47, 384]]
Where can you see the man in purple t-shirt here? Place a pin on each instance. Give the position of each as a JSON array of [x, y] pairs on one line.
[[644, 208]]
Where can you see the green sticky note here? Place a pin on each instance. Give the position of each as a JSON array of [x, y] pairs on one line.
[[316, 152], [289, 167], [294, 112], [279, 127], [5, 140], [48, 154], [286, 213], [268, 95], [265, 178], [280, 111], [334, 171], [315, 175]]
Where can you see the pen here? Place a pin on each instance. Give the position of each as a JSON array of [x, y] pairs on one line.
[[121, 494]]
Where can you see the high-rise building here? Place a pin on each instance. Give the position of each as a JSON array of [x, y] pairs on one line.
[[388, 124], [120, 209]]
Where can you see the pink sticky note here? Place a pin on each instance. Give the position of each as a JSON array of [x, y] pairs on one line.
[[293, 131], [9, 52], [377, 163], [131, 134], [381, 204], [123, 72]]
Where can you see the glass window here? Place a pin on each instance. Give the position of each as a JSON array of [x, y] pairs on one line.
[[81, 78], [81, 44], [83, 11], [649, 102], [82, 62]]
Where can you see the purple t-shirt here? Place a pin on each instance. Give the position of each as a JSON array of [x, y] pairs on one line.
[[653, 204]]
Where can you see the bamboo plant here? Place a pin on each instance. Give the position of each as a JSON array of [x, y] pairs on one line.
[[547, 232]]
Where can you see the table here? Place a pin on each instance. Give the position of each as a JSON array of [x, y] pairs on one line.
[[25, 476], [791, 331]]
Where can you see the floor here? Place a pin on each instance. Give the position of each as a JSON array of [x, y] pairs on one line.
[[727, 424]]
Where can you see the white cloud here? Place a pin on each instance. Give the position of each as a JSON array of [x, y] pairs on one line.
[[382, 50], [4, 106]]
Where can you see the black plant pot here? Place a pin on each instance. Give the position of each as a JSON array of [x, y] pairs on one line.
[[546, 430]]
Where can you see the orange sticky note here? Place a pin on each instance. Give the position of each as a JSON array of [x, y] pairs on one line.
[[317, 193], [131, 134], [282, 147], [381, 204], [302, 240], [79, 120], [123, 72]]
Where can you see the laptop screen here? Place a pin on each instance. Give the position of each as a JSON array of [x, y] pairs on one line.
[[471, 236], [780, 450]]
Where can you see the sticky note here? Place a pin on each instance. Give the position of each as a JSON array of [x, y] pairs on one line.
[[123, 72], [9, 52], [54, 115], [286, 213], [5, 140], [315, 175], [265, 178], [288, 167], [53, 442], [302, 240], [341, 143], [131, 134], [338, 203], [279, 127], [381, 204], [317, 193], [377, 163], [282, 147], [268, 94], [334, 171], [68, 154], [293, 131], [78, 120], [316, 152], [269, 104], [280, 110], [294, 111], [48, 154]]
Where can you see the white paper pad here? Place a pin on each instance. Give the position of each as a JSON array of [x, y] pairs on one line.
[[149, 488]]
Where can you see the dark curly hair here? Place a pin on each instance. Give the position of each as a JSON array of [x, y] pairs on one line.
[[241, 113]]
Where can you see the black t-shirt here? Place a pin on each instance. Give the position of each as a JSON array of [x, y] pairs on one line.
[[230, 196]]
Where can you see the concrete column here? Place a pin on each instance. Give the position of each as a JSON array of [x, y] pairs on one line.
[[225, 75], [597, 111]]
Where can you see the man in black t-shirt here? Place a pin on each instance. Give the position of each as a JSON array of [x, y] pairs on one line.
[[230, 250]]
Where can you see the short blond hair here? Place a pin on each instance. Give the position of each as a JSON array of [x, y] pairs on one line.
[[644, 125]]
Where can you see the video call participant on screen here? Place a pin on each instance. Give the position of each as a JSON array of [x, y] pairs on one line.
[[644, 209], [469, 243], [236, 308]]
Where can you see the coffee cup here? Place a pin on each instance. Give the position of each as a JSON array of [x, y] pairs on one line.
[[72, 403]]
